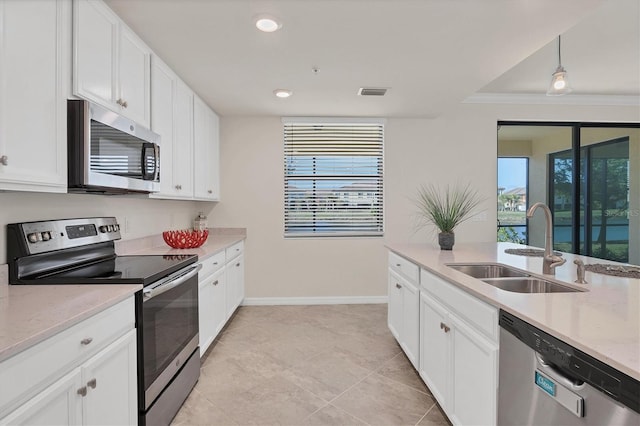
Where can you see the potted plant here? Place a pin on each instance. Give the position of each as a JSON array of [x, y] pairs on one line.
[[446, 208]]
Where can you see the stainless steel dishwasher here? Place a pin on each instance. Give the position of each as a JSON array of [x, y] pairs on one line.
[[544, 381]]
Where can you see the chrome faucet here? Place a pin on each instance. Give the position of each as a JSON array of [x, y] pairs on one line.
[[550, 261]]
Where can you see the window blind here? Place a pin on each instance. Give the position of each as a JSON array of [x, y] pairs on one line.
[[333, 180]]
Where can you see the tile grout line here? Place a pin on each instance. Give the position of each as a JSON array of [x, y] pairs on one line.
[[425, 414], [399, 382]]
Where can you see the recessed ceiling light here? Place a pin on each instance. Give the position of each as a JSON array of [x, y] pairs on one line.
[[267, 24], [282, 93]]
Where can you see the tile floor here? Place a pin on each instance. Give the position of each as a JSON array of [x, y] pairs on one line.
[[309, 365]]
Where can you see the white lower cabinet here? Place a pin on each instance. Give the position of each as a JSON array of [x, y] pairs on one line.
[[99, 390], [404, 308], [220, 291], [458, 361]]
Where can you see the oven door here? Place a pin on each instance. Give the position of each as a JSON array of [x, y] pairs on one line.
[[168, 330]]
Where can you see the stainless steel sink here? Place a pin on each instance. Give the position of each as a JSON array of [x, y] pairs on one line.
[[487, 270], [529, 285]]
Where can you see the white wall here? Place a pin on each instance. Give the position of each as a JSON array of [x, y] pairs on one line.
[[460, 146], [143, 216]]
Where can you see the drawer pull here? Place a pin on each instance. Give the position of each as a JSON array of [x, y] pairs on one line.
[[86, 341], [215, 263], [92, 383], [238, 264], [215, 282], [398, 265], [398, 285], [82, 391], [445, 327]]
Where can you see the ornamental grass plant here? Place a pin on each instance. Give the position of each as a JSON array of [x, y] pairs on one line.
[[447, 207]]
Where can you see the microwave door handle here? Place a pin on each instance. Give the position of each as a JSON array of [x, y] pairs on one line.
[[156, 162], [150, 293], [146, 174]]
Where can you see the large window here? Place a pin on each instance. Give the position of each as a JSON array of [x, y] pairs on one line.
[[333, 178]]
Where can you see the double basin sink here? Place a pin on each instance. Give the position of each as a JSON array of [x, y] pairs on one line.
[[510, 279]]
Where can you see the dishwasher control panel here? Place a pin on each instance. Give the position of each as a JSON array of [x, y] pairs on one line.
[[574, 364]]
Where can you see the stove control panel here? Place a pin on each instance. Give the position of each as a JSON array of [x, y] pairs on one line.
[[51, 235]]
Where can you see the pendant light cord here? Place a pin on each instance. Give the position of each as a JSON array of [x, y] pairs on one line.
[[559, 50]]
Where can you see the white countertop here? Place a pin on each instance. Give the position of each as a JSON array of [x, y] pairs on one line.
[[30, 314], [603, 322]]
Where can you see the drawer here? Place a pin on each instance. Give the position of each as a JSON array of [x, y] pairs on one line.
[[30, 371], [404, 267], [476, 313], [211, 264], [235, 250]]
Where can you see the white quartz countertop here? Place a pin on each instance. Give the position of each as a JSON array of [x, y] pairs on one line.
[[603, 322], [30, 314]]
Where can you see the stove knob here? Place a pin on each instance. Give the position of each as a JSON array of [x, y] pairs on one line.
[[102, 229], [46, 236], [116, 227], [109, 228], [33, 237]]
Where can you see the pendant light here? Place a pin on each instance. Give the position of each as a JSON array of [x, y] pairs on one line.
[[559, 83]]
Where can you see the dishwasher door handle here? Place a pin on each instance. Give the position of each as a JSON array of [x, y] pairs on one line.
[[557, 375]]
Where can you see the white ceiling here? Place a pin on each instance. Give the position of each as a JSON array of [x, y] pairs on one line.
[[431, 54]]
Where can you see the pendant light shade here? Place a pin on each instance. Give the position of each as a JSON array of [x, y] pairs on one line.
[[559, 82]]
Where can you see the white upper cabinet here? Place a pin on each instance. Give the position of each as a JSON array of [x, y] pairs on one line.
[[111, 64], [34, 36], [206, 152], [183, 141]]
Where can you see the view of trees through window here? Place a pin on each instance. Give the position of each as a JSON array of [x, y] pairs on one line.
[[512, 199]]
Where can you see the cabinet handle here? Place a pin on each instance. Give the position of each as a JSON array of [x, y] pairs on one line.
[[444, 327], [92, 383], [398, 265], [209, 191], [215, 263], [82, 391], [178, 187], [398, 285], [238, 264], [86, 341], [215, 282], [125, 104], [122, 103], [4, 160]]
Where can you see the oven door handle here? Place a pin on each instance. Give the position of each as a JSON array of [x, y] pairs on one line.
[[150, 293]]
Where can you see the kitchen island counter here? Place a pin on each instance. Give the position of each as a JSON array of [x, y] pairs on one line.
[[603, 322]]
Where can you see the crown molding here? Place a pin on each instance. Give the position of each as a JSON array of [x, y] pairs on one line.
[[541, 99]]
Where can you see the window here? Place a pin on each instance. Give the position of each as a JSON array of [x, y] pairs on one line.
[[333, 178], [512, 199]]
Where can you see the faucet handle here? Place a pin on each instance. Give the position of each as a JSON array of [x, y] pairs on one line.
[[555, 261]]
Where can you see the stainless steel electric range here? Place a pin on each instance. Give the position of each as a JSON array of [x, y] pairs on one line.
[[82, 251]]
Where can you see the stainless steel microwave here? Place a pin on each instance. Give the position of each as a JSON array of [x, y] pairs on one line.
[[108, 153]]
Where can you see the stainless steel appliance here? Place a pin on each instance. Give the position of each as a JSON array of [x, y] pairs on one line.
[[81, 251], [545, 381], [108, 153]]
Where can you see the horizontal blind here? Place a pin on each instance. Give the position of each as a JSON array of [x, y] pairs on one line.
[[333, 179]]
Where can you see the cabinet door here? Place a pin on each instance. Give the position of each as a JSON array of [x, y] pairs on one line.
[[163, 89], [394, 304], [58, 404], [206, 327], [435, 348], [34, 39], [219, 300], [94, 39], [133, 77], [411, 322], [235, 284], [183, 142], [111, 381], [474, 376], [206, 163]]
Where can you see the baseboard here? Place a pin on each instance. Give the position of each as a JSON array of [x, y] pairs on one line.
[[340, 300]]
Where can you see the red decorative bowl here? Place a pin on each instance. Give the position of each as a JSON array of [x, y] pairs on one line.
[[187, 238]]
